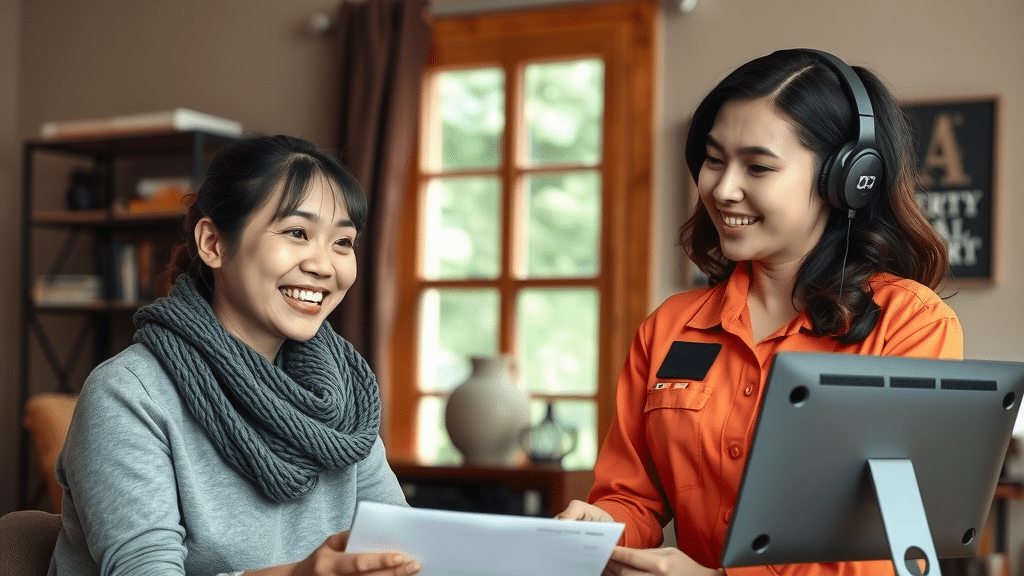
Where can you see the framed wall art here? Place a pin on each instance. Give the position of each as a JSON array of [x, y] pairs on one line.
[[955, 144]]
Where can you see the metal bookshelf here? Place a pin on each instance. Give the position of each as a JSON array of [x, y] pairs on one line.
[[67, 356]]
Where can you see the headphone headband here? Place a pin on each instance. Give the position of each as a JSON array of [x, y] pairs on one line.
[[849, 177], [850, 81]]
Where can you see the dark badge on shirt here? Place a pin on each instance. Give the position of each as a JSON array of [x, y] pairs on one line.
[[688, 360]]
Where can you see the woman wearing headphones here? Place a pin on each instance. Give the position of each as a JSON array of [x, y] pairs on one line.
[[811, 238]]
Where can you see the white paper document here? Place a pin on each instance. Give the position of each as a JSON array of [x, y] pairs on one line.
[[474, 544]]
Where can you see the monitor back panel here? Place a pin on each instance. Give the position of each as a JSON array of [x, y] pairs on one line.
[[807, 495]]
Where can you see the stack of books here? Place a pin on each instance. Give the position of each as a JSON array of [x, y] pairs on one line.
[[67, 289]]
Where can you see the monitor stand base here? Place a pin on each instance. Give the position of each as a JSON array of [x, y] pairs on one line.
[[906, 526]]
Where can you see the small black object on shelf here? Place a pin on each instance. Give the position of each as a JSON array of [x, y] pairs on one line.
[[82, 193], [549, 441]]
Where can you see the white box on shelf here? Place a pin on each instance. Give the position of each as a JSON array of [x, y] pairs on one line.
[[177, 119]]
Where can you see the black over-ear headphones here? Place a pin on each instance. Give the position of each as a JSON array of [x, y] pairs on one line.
[[855, 174]]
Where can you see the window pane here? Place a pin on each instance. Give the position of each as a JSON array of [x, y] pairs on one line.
[[579, 414], [557, 340], [563, 230], [564, 111], [472, 106], [461, 224], [432, 443], [455, 325]]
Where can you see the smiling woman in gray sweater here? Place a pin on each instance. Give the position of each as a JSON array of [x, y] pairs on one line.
[[239, 431]]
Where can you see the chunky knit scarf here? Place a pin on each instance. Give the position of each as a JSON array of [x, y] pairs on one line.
[[279, 425]]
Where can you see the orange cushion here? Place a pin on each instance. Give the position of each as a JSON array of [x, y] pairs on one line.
[[47, 417]]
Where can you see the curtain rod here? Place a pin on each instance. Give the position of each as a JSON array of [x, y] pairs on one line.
[[322, 22], [459, 7]]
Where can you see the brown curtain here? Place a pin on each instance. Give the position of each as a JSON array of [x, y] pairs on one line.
[[382, 46]]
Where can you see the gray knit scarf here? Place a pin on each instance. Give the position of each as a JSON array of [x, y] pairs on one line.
[[280, 425]]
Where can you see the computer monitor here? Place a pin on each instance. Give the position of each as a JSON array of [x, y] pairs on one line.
[[858, 457]]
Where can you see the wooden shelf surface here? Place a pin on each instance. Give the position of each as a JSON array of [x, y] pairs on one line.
[[91, 306], [161, 142], [1010, 490], [559, 486]]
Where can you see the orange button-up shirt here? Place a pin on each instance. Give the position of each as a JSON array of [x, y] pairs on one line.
[[679, 451]]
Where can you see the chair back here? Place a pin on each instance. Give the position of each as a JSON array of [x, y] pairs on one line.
[[27, 539]]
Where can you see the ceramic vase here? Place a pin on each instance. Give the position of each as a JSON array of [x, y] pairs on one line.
[[486, 414]]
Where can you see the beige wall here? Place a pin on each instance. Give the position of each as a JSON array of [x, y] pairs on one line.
[[254, 62], [251, 61]]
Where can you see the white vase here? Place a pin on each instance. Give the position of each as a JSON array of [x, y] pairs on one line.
[[486, 414]]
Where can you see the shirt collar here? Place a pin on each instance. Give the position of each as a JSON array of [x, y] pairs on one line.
[[727, 303], [727, 307]]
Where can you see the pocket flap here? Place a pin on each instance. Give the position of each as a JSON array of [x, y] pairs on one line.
[[693, 397]]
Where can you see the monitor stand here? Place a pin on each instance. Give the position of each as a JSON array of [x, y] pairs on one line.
[[906, 526]]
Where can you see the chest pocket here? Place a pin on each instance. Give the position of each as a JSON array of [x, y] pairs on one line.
[[685, 395], [675, 433]]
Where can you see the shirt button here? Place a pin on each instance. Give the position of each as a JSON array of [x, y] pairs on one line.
[[735, 451], [728, 516], [749, 390]]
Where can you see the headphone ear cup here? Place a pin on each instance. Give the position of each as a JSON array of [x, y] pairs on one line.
[[853, 177]]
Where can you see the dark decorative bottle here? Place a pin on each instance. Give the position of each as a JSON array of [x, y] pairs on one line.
[[549, 441]]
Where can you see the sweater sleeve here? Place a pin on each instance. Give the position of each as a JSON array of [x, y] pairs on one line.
[[376, 481], [120, 497]]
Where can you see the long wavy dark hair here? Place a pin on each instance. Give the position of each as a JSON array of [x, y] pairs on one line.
[[890, 234], [242, 177]]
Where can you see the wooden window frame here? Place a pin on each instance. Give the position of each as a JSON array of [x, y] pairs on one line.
[[623, 34]]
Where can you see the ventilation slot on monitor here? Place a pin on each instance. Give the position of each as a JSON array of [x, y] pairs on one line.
[[911, 382], [851, 380], [966, 384]]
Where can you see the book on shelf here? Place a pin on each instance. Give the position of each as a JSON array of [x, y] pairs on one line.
[[118, 266], [151, 260], [126, 272], [174, 120], [67, 289]]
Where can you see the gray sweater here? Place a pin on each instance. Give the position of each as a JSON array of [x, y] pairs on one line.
[[145, 492]]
